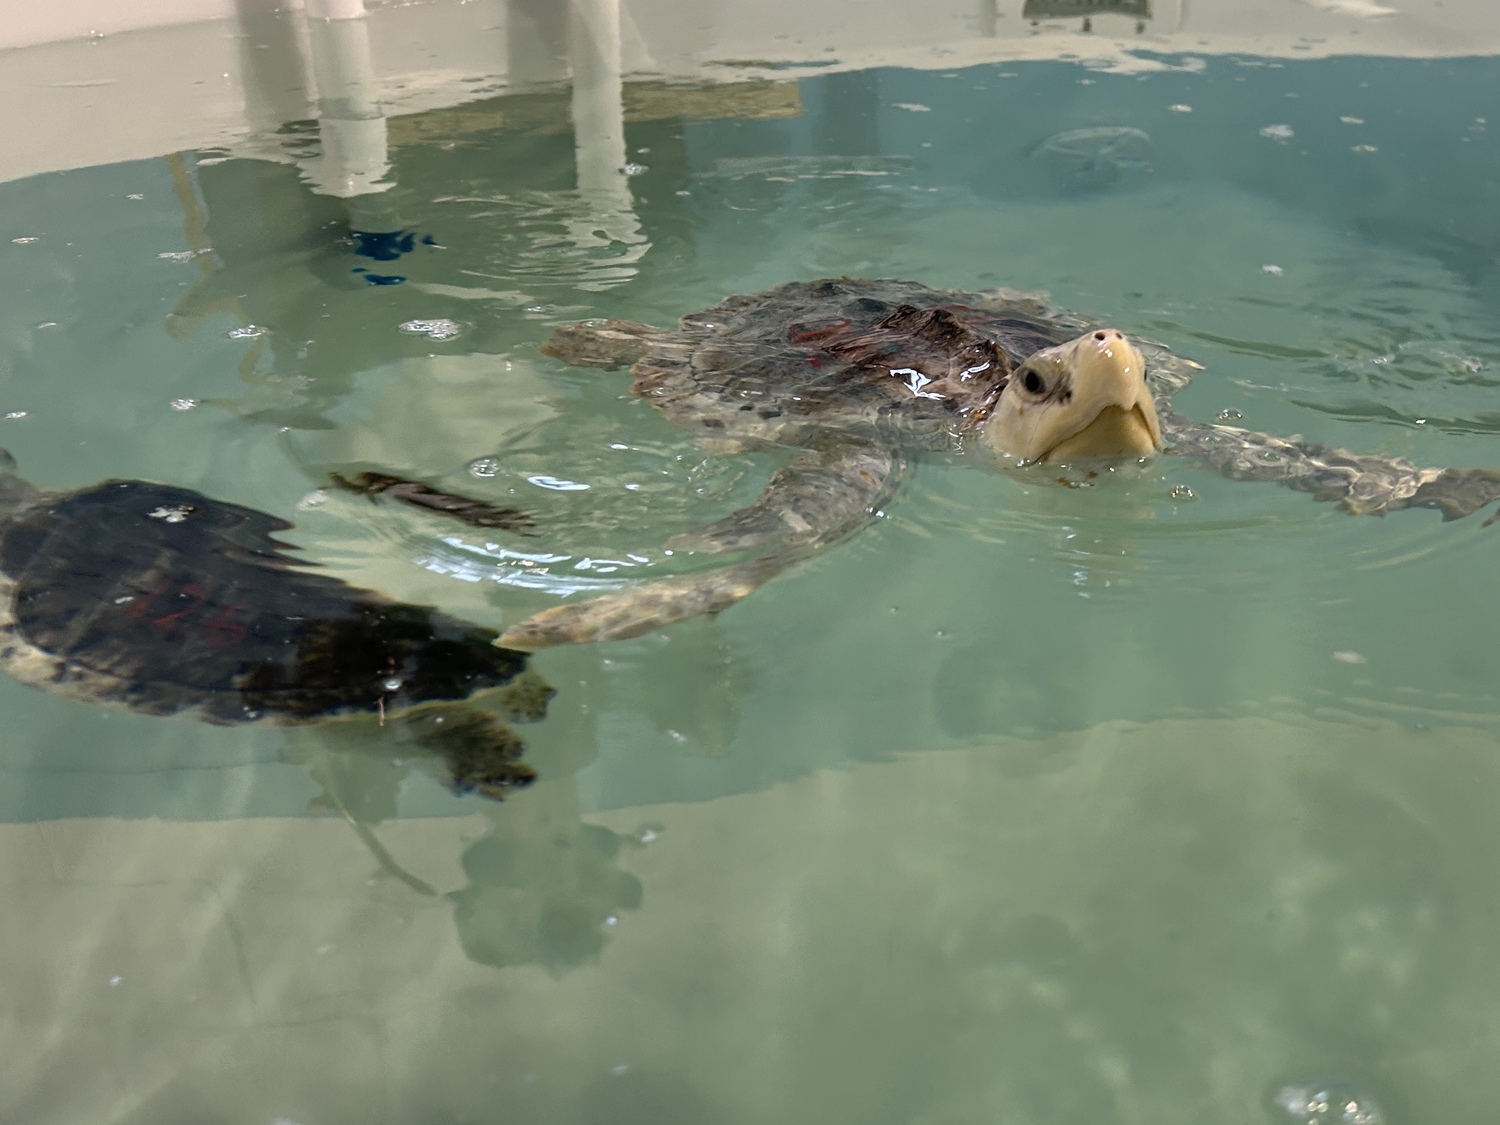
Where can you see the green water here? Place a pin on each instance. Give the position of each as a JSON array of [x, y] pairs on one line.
[[1027, 805]]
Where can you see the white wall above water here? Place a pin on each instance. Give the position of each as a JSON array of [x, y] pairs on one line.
[[91, 82]]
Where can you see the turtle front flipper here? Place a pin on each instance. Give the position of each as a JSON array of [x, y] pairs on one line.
[[821, 497], [643, 609], [803, 509], [465, 509], [1363, 484]]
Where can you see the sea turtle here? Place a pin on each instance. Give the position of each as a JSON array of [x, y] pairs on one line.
[[856, 374], [164, 601]]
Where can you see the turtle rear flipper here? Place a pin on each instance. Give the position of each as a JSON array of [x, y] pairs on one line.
[[1458, 492], [802, 509], [604, 343], [1363, 484], [480, 753]]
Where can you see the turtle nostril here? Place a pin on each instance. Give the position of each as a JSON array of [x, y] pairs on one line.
[[1106, 334]]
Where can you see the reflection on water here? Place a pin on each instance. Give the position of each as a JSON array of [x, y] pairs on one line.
[[544, 887], [1143, 801], [1095, 158]]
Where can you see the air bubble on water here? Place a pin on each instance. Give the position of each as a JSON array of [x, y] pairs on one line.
[[676, 736], [612, 920], [14, 414], [440, 329], [1352, 120], [25, 240], [620, 1070], [184, 403], [115, 980], [1230, 415], [634, 169], [1181, 492], [178, 255], [249, 332], [392, 684], [1364, 148], [313, 499], [1274, 271], [1180, 108], [484, 467], [647, 834], [1324, 1103], [1347, 657], [1278, 132]]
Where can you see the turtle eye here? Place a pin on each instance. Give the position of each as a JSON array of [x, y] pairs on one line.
[[1032, 381]]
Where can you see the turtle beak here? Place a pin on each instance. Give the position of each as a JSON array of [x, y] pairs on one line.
[[1090, 400], [1110, 374]]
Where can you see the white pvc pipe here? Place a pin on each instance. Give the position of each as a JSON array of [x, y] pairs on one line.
[[598, 99], [599, 140]]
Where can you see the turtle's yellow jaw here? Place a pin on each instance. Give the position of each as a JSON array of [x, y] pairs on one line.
[[1086, 398]]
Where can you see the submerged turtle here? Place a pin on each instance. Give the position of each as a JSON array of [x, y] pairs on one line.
[[857, 374], [165, 601]]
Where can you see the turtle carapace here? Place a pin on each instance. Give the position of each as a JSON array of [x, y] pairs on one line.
[[859, 375], [165, 601]]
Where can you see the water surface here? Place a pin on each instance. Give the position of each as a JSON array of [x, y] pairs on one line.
[[1026, 805]]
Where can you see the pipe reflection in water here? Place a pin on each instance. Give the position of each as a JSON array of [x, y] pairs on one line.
[[354, 159], [598, 107]]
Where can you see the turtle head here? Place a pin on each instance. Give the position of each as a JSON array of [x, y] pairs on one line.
[[1085, 398]]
